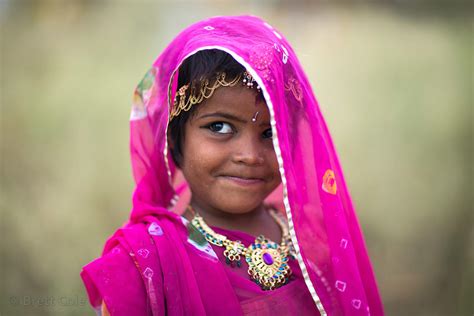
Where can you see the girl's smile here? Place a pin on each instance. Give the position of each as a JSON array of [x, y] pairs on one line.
[[244, 181]]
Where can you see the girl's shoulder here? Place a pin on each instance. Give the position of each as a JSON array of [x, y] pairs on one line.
[[113, 279], [127, 270]]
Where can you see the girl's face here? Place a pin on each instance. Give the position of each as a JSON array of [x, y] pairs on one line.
[[228, 158]]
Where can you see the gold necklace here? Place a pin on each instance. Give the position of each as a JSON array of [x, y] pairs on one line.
[[267, 260]]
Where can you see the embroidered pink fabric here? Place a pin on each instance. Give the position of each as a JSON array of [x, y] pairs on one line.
[[150, 266]]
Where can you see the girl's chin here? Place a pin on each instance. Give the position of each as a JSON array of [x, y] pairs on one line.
[[240, 208]]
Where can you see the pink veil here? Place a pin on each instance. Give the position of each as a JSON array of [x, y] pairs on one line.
[[324, 229]]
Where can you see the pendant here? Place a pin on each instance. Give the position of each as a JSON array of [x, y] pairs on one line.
[[268, 263], [233, 251]]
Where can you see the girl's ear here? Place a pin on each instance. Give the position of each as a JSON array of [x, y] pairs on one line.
[[169, 141], [172, 150], [170, 144]]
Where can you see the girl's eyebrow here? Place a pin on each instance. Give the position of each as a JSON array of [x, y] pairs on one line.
[[224, 115], [229, 117]]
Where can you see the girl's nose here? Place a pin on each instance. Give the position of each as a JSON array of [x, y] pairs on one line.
[[249, 151]]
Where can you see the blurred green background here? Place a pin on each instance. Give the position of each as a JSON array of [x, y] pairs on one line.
[[393, 78]]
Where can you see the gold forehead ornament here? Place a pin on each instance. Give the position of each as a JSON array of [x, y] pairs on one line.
[[182, 102]]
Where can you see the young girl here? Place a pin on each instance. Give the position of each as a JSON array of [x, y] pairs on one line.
[[240, 206]]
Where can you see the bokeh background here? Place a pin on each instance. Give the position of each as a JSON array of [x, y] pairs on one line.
[[393, 78]]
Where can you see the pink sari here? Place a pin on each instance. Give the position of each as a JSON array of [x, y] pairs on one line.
[[151, 266]]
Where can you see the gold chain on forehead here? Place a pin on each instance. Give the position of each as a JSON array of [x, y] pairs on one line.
[[206, 91]]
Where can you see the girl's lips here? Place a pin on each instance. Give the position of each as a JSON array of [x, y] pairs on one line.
[[244, 181]]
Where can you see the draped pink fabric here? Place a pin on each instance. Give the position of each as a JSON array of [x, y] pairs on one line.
[[149, 265]]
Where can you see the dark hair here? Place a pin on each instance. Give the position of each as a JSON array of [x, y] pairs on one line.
[[205, 64]]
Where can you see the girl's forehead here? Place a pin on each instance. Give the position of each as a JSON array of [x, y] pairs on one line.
[[238, 99]]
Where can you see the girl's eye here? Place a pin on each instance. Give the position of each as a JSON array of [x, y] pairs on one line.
[[221, 128], [268, 133]]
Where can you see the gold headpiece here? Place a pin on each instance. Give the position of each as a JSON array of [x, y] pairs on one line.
[[206, 91]]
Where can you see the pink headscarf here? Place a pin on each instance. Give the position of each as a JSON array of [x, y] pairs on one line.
[[326, 235]]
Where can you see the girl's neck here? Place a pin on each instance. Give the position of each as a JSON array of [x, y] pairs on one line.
[[254, 222]]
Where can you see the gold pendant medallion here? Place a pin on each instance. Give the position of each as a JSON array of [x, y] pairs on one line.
[[268, 264]]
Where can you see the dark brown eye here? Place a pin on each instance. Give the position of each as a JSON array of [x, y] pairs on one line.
[[268, 133], [221, 128]]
